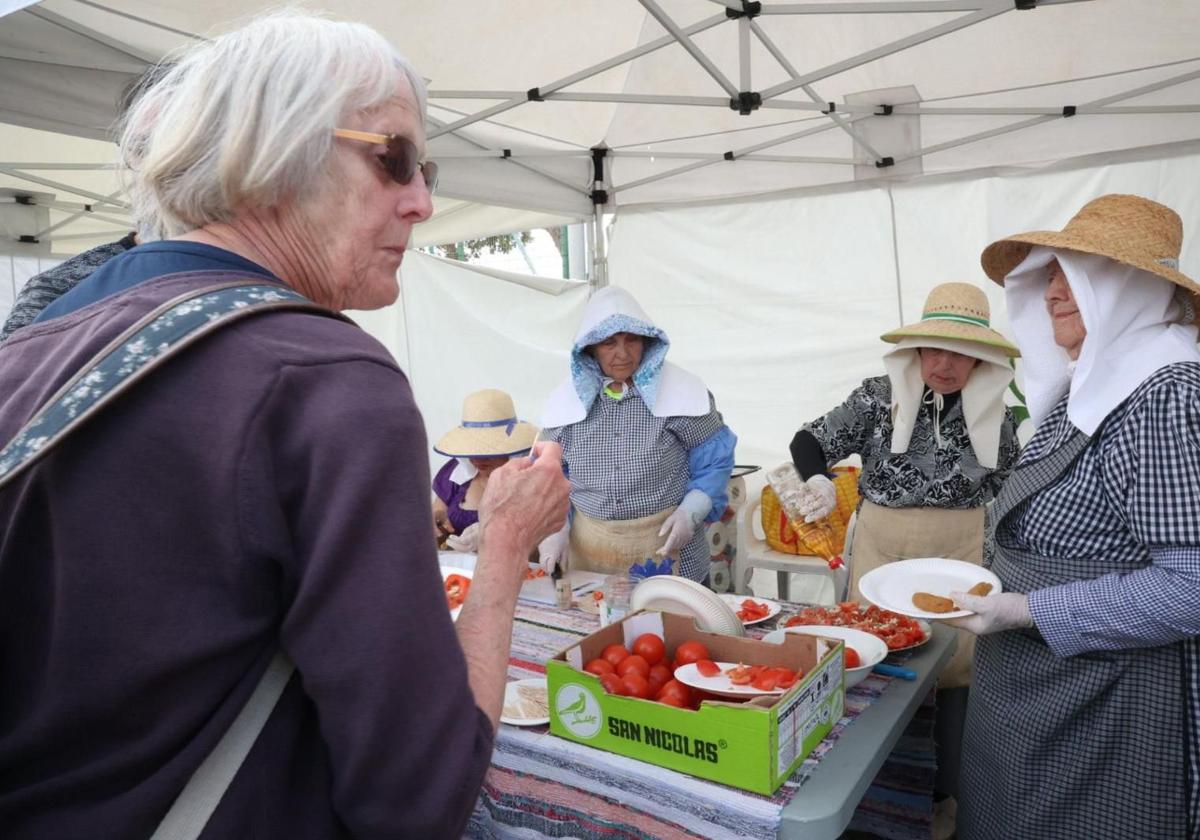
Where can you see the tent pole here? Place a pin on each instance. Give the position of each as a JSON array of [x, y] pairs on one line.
[[599, 251]]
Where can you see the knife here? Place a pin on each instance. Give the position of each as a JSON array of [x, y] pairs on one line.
[[895, 671]]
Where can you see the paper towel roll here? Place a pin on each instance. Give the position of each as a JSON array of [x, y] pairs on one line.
[[718, 537], [719, 576], [737, 493]]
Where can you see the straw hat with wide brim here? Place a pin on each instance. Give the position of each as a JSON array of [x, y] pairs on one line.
[[1129, 229], [490, 429], [959, 311]]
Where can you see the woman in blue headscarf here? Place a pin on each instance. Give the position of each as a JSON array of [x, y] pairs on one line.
[[647, 452]]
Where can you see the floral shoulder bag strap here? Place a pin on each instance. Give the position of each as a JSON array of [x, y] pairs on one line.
[[159, 336]]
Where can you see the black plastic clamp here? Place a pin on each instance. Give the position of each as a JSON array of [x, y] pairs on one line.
[[25, 237], [506, 153], [87, 208], [749, 10], [884, 163], [1068, 111], [1025, 5], [884, 111], [534, 95], [27, 200], [599, 197], [746, 102], [832, 107], [598, 155], [728, 156]]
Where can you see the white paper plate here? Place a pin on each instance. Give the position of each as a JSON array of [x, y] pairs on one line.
[[720, 684], [526, 703], [456, 570], [735, 604], [686, 597], [892, 585], [871, 649]]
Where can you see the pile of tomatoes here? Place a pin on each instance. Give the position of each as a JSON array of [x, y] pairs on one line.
[[898, 631], [456, 590], [646, 671], [753, 611]]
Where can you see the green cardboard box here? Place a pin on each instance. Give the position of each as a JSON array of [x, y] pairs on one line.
[[752, 745]]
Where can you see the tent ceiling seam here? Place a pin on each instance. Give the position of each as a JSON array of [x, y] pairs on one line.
[[87, 33]]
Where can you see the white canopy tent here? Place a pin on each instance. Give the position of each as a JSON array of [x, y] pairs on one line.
[[788, 179]]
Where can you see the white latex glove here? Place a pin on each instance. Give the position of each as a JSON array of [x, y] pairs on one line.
[[467, 541], [552, 551], [820, 501], [993, 613], [680, 526]]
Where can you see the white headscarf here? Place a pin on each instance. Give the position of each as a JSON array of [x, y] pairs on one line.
[[982, 396], [1134, 322]]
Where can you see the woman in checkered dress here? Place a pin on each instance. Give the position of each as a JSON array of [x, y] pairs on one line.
[[647, 452], [1082, 722]]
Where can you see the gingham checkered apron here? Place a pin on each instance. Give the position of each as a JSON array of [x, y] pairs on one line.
[[1088, 746]]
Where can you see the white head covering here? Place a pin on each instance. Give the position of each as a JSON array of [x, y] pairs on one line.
[[666, 389], [1134, 322], [982, 396]]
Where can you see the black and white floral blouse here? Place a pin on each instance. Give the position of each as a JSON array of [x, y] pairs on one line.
[[932, 473]]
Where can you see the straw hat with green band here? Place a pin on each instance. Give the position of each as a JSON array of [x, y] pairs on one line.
[[490, 429], [959, 311], [1128, 229]]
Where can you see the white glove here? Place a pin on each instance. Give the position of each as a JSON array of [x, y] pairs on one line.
[[467, 541], [993, 613], [680, 526], [552, 551], [821, 499]]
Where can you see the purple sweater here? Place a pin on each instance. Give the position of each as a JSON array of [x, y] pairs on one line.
[[268, 487]]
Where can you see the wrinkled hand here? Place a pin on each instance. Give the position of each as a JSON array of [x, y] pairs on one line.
[[552, 551], [821, 499], [441, 520], [680, 526], [467, 541], [525, 501], [993, 613]]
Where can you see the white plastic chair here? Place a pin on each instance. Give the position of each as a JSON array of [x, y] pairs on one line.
[[753, 551]]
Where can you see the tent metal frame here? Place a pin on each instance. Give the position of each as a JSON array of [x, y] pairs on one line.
[[598, 186]]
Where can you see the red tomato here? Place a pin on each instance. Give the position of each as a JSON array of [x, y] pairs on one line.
[[634, 664], [708, 668], [690, 652], [614, 654], [853, 660], [612, 683], [676, 689], [672, 700], [660, 675], [650, 647], [599, 667], [636, 685]]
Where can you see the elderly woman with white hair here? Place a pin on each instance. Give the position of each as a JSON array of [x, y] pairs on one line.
[[1083, 718], [261, 500]]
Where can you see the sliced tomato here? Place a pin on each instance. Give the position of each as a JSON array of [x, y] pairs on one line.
[[708, 668], [456, 590], [740, 675], [766, 680], [787, 678]]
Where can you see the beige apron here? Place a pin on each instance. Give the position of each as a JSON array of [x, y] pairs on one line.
[[882, 535], [610, 546]]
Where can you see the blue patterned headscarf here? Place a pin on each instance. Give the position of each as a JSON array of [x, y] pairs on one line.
[[609, 311]]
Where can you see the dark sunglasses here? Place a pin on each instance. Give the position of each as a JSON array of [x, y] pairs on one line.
[[401, 160]]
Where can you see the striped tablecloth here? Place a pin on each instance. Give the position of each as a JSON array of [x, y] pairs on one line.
[[544, 786]]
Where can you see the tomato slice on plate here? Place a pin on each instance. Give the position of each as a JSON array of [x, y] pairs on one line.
[[708, 668]]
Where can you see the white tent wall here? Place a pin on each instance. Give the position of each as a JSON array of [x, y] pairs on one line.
[[458, 328], [778, 305]]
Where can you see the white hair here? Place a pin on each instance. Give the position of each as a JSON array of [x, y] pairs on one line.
[[246, 120]]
